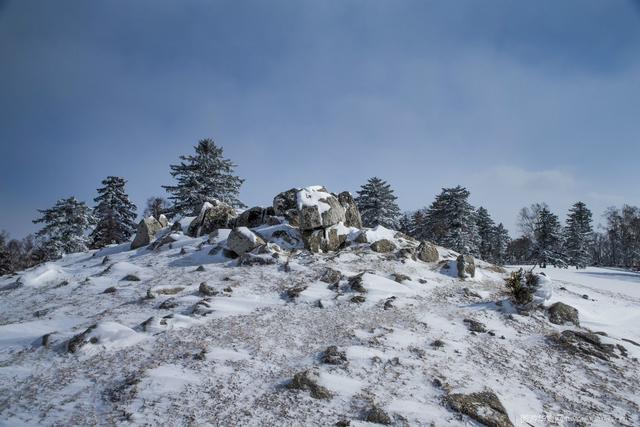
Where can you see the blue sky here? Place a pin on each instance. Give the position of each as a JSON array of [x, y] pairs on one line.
[[519, 101]]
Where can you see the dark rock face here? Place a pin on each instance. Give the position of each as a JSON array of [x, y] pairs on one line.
[[331, 276], [427, 252], [254, 217], [560, 314], [483, 407], [352, 214], [306, 380], [146, 231], [383, 246], [285, 203], [211, 217], [466, 266]]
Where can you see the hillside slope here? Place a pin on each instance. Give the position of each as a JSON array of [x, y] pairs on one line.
[[165, 349]]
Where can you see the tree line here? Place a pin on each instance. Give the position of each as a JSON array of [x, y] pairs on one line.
[[450, 221]]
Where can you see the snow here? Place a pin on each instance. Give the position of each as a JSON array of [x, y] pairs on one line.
[[250, 235], [313, 196], [227, 356], [379, 233]]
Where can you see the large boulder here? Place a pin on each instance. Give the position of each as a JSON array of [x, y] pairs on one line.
[[325, 240], [466, 266], [560, 313], [146, 231], [351, 212], [211, 217], [254, 217], [285, 204], [242, 240], [317, 208], [427, 252]]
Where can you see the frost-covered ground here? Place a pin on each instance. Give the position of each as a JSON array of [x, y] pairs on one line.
[[162, 353]]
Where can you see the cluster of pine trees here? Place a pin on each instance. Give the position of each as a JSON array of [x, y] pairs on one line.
[[450, 221], [72, 226]]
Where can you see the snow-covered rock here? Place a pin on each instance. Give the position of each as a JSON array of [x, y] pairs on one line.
[[466, 266], [351, 212], [211, 217], [318, 208], [146, 232], [242, 240]]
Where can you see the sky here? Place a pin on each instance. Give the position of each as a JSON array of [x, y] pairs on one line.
[[520, 102]]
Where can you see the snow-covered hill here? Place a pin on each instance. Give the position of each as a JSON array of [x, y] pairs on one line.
[[81, 343]]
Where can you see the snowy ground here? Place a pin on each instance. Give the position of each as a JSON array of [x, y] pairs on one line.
[[226, 359]]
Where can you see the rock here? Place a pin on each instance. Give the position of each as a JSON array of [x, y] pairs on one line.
[[475, 326], [358, 299], [285, 204], [165, 240], [586, 344], [318, 208], [257, 259], [483, 407], [437, 344], [79, 340], [356, 283], [164, 222], [406, 253], [242, 240], [466, 266], [308, 380], [211, 217], [351, 212], [200, 268], [168, 291], [207, 290], [131, 278], [470, 294], [294, 292], [176, 227], [284, 235], [253, 217], [110, 290], [361, 238], [333, 356], [105, 260], [427, 252], [388, 304], [325, 240], [146, 231], [330, 276], [377, 416], [398, 277], [560, 313], [383, 246], [585, 296], [168, 304]]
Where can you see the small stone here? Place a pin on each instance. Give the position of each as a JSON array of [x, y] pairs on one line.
[[228, 289], [377, 416], [356, 283], [560, 313], [585, 296], [333, 356], [398, 277], [110, 290], [200, 268], [475, 326], [183, 251], [294, 292], [168, 304], [358, 299], [437, 344], [383, 246], [131, 278], [307, 380], [207, 290]]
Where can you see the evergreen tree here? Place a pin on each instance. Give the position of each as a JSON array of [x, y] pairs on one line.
[[65, 226], [417, 225], [450, 221], [156, 206], [405, 224], [486, 234], [114, 212], [548, 240], [6, 266], [377, 204], [579, 236], [500, 245], [203, 178]]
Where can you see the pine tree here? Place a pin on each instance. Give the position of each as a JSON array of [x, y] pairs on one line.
[[548, 240], [579, 236], [114, 213], [65, 226], [500, 245], [156, 206], [6, 266], [205, 177], [486, 234], [377, 204], [450, 221], [405, 224]]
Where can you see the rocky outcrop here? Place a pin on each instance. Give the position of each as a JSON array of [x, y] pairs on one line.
[[318, 208], [146, 231], [285, 204], [242, 240], [466, 266], [427, 252], [560, 313], [351, 212], [324, 240], [483, 407], [589, 344], [211, 217], [254, 217]]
